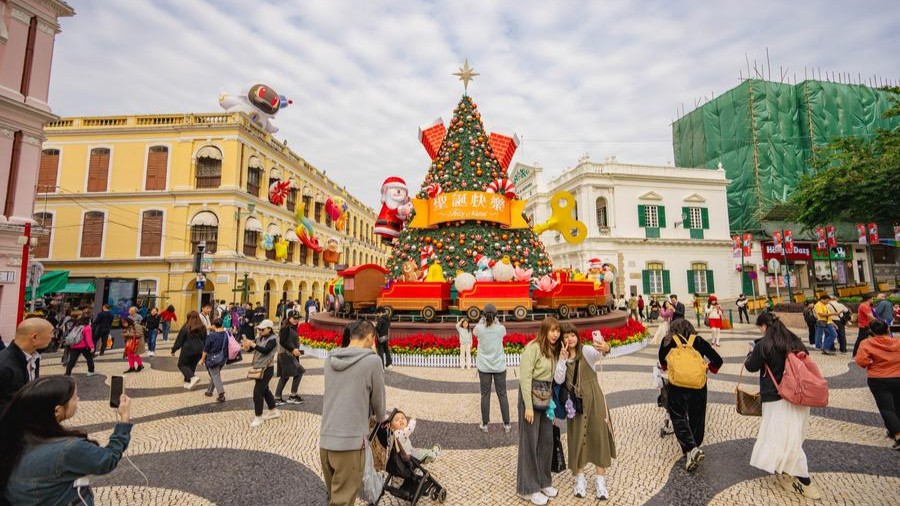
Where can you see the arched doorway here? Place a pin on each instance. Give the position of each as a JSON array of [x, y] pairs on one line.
[[267, 297], [303, 293], [315, 292], [206, 296]]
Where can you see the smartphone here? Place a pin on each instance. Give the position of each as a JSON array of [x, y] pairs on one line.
[[598, 337], [116, 389]]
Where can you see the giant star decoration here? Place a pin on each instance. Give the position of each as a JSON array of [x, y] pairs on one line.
[[466, 74]]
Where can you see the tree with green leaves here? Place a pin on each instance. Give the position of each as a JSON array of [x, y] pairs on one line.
[[854, 179]]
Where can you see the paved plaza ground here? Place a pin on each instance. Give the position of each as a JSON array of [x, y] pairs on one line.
[[195, 451]]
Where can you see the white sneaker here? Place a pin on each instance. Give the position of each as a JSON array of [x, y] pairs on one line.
[[89, 374], [257, 421], [152, 353], [187, 386], [194, 381], [271, 414], [483, 427], [539, 499], [507, 427], [580, 486], [600, 484]]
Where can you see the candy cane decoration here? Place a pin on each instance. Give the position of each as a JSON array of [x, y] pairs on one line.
[[433, 190], [427, 253], [502, 186]]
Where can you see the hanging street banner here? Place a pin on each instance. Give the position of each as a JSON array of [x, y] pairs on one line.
[[468, 206], [830, 234], [748, 244], [736, 246], [861, 233], [821, 242], [873, 233], [777, 241], [788, 241]]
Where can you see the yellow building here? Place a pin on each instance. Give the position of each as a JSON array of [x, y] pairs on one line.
[[133, 196]]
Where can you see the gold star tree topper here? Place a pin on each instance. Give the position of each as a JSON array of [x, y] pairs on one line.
[[466, 74]]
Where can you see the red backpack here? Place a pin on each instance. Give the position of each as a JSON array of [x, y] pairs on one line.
[[802, 383]]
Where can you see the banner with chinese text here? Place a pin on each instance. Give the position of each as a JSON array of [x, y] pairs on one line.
[[468, 205]]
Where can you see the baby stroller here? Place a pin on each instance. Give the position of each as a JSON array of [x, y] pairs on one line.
[[407, 478], [662, 400]]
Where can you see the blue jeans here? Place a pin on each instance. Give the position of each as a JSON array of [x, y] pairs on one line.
[[165, 330], [151, 340], [825, 336]]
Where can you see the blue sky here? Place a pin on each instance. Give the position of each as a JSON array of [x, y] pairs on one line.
[[604, 78]]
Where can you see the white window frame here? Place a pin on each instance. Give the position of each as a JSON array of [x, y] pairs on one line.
[[651, 216], [700, 285], [695, 219]]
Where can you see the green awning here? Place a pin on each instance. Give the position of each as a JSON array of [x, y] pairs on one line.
[[82, 287], [51, 282]]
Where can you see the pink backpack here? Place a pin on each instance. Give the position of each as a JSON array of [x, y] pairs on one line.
[[234, 348], [802, 382]]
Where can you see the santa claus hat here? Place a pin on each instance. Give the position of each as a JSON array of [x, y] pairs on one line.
[[393, 182], [595, 263], [479, 257]]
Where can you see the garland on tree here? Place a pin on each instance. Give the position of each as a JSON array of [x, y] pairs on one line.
[[466, 162]]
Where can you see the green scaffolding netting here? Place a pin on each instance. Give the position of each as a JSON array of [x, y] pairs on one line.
[[764, 134]]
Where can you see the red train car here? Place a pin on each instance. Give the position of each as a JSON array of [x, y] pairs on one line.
[[506, 296], [569, 295], [426, 297]]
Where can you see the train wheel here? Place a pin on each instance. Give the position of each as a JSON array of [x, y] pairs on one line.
[[520, 313], [389, 311], [428, 313], [593, 310], [564, 311], [473, 313]]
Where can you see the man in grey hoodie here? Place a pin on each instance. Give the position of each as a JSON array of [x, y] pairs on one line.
[[354, 391]]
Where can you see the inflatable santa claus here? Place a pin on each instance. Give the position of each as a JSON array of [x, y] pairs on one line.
[[395, 208]]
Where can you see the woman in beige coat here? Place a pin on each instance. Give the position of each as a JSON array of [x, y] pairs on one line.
[[589, 433]]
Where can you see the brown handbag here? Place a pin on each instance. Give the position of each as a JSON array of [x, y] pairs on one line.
[[747, 404]]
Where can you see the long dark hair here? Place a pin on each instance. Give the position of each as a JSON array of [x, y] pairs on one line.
[[31, 413], [194, 324], [778, 339], [680, 327]]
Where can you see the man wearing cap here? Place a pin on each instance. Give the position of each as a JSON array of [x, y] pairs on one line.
[[354, 389], [395, 208]]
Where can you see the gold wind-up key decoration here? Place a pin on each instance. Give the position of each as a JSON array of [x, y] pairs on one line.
[[562, 219]]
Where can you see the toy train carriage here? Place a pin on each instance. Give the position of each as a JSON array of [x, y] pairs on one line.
[[427, 297], [362, 285], [569, 295], [505, 296]]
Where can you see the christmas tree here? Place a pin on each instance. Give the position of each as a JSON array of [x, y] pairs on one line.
[[466, 181]]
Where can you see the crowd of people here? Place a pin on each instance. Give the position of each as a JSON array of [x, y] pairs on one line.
[[558, 385]]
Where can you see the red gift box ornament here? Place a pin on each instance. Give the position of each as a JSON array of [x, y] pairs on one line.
[[503, 187], [504, 148]]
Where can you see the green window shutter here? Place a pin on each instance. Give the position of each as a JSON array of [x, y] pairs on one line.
[[710, 285], [696, 233], [651, 233], [645, 277], [686, 217], [692, 287], [662, 216], [704, 216], [642, 216], [667, 287]]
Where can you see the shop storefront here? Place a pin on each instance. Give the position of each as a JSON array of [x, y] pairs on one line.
[[838, 268], [796, 272]]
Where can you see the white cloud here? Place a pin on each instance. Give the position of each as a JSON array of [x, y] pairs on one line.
[[569, 77]]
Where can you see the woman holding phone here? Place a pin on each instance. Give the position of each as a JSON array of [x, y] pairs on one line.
[[42, 460], [589, 427]]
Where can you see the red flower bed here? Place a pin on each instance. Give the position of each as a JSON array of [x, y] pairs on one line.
[[430, 344]]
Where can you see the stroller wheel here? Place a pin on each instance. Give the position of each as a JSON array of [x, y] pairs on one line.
[[442, 496]]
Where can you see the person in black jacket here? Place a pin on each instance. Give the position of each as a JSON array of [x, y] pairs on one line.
[[779, 443], [677, 308], [151, 327], [191, 339], [383, 332], [289, 366], [687, 406], [20, 362], [809, 316], [101, 326]]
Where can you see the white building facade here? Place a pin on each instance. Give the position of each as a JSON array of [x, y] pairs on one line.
[[662, 229]]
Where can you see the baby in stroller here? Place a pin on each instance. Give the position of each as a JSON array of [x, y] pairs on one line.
[[407, 477], [403, 427]]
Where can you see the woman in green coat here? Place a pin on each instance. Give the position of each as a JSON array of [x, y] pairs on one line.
[[589, 433]]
